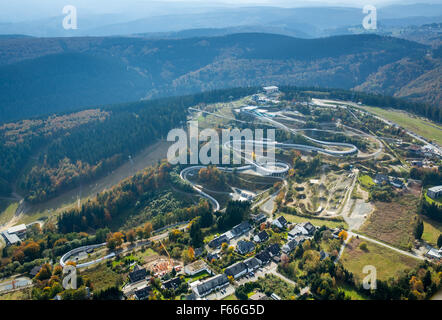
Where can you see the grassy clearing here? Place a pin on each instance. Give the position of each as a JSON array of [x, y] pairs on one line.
[[7, 210], [387, 262], [273, 284], [24, 294], [140, 254], [422, 127], [101, 276], [351, 292], [366, 181], [198, 276], [317, 222], [393, 222], [432, 230], [231, 297]]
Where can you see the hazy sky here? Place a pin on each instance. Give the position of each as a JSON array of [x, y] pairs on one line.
[[20, 10]]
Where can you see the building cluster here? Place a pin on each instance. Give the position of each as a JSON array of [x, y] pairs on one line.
[[236, 232], [380, 179], [247, 267], [14, 235]]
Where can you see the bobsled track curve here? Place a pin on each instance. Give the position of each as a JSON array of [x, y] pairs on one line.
[[277, 168]]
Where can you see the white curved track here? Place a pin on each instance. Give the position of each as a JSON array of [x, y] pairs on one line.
[[277, 168]]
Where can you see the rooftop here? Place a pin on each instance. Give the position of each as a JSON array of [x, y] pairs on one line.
[[212, 283], [196, 266], [11, 238], [436, 189], [18, 228]]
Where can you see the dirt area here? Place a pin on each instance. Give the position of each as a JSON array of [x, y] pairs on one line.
[[360, 212], [159, 265], [393, 222]]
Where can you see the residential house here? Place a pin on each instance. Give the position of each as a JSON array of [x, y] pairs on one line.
[[261, 237], [244, 247], [138, 274], [143, 293], [172, 284], [381, 178], [263, 257], [10, 239], [323, 255], [259, 218], [212, 284], [35, 271], [212, 256], [433, 254], [236, 270], [241, 229], [252, 264], [274, 251], [289, 246], [305, 228], [280, 222], [19, 230], [217, 242]]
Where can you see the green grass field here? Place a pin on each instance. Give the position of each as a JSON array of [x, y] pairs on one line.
[[7, 210], [424, 128], [387, 262], [366, 181], [101, 276], [24, 294], [351, 292], [317, 222], [432, 230]]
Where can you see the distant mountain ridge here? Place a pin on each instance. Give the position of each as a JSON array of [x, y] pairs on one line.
[[44, 75], [311, 21]]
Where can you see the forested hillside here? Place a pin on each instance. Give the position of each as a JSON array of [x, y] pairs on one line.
[[45, 75], [46, 156]]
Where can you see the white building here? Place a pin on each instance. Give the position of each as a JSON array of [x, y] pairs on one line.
[[196, 267], [14, 235], [435, 192], [270, 89]]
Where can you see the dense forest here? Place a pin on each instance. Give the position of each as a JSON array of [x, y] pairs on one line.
[[132, 196], [89, 71], [75, 148]]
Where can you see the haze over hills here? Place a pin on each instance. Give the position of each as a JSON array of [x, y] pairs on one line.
[[310, 21], [40, 76]]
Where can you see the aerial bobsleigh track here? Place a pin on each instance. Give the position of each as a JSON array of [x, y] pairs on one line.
[[276, 168]]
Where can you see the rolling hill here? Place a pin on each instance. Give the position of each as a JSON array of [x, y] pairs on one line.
[[44, 75]]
